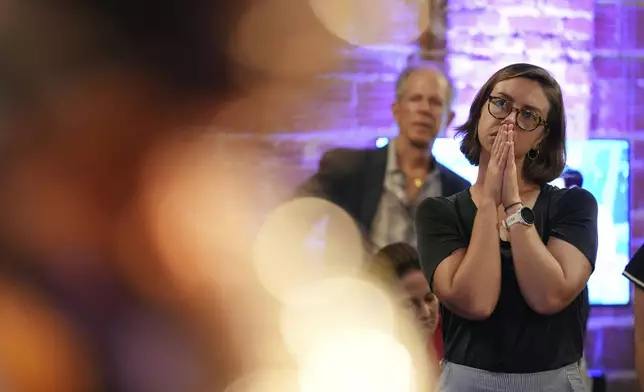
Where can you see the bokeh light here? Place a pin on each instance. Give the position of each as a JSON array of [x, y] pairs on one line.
[[358, 360], [332, 307], [303, 242], [373, 22], [282, 38], [267, 381]]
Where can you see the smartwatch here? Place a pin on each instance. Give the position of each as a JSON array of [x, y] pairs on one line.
[[525, 216]]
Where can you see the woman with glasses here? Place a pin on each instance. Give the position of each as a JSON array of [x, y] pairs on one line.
[[510, 257]]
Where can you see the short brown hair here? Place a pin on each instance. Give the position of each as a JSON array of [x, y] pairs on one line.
[[395, 260], [551, 160]]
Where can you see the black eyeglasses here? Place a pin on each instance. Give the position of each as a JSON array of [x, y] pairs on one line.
[[527, 120]]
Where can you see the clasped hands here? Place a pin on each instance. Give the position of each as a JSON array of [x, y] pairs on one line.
[[501, 181]]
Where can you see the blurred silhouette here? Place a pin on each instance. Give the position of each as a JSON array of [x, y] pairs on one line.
[[572, 178], [121, 230], [634, 272]]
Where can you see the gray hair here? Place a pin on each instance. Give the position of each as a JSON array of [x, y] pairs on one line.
[[418, 61]]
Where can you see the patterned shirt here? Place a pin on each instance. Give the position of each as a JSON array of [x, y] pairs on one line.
[[394, 220]]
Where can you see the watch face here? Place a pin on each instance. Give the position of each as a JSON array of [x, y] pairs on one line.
[[528, 215]]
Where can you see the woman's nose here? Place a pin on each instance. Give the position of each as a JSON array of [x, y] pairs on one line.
[[511, 118], [424, 311]]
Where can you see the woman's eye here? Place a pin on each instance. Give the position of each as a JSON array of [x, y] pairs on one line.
[[529, 115]]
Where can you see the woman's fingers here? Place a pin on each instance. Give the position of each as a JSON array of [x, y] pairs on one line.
[[510, 143], [502, 139], [495, 144], [504, 151]]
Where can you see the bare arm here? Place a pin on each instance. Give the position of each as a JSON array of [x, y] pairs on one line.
[[547, 284], [468, 281], [551, 276]]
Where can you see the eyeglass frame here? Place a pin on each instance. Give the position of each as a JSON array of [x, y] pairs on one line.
[[518, 110]]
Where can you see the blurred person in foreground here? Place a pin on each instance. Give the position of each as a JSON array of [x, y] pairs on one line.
[[116, 222], [635, 273], [510, 258], [399, 263], [381, 188]]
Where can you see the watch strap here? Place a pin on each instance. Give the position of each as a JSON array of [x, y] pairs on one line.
[[514, 219]]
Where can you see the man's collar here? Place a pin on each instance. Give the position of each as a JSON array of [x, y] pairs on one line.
[[392, 159]]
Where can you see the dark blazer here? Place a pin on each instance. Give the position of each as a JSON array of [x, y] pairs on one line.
[[354, 180]]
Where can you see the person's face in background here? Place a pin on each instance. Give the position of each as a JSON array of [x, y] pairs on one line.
[[421, 107], [419, 299]]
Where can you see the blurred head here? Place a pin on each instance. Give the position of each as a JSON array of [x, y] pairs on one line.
[[422, 107], [528, 97], [86, 87], [401, 260], [88, 74], [572, 178]]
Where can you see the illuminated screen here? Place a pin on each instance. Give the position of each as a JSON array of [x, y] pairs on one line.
[[604, 166]]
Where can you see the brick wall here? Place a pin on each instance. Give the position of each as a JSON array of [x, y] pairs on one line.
[[619, 91], [351, 105], [486, 35], [347, 106]]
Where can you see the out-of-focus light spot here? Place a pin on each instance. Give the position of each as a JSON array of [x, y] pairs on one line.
[[266, 381], [358, 360], [373, 22], [381, 142], [305, 241], [329, 308], [281, 38]]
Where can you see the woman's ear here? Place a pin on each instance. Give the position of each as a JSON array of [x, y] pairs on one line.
[[540, 139]]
